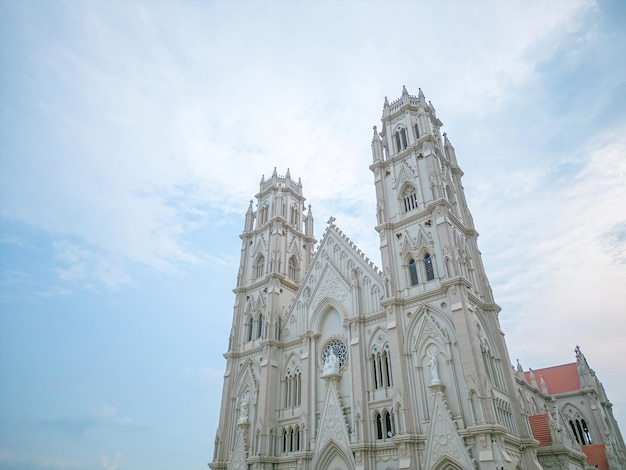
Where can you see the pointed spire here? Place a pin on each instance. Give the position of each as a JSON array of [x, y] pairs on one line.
[[288, 175], [386, 107], [308, 224], [404, 92], [249, 223], [544, 387], [274, 174], [533, 379], [520, 370], [377, 148], [420, 95]]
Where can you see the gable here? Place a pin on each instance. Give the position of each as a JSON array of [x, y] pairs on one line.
[[336, 269]]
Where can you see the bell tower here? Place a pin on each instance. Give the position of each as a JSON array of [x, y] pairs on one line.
[[439, 304], [276, 251]]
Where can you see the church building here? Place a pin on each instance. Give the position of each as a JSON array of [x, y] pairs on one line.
[[334, 363]]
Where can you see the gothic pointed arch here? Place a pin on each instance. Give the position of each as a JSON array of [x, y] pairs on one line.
[[428, 323]]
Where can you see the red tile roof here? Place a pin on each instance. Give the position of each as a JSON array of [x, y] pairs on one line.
[[596, 456], [540, 429], [558, 379]]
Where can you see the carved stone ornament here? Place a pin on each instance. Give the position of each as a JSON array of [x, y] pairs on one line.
[[330, 286]]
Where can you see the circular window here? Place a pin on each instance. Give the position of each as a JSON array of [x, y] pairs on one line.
[[339, 349]]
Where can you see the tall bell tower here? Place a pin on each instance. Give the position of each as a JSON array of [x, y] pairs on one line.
[[276, 251], [439, 303]]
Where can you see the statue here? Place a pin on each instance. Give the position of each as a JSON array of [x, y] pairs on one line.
[[331, 364], [243, 411], [432, 364]]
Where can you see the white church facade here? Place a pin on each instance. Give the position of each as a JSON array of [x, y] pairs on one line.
[[334, 363]]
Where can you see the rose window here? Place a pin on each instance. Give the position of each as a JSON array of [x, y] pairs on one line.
[[340, 350]]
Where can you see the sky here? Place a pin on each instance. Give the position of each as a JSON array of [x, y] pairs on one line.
[[133, 135]]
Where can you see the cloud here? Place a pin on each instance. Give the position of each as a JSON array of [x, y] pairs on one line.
[[102, 416], [10, 460], [18, 285], [109, 463], [204, 374], [138, 134]]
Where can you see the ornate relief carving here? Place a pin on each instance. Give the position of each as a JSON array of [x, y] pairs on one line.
[[330, 286]]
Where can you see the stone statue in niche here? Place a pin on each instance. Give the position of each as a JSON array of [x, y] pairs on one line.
[[243, 411], [331, 364], [432, 365]]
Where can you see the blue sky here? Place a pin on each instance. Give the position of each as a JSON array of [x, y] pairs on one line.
[[135, 133]]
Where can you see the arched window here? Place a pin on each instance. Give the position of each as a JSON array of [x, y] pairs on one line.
[[259, 330], [285, 440], [401, 142], [292, 268], [250, 328], [381, 368], [580, 431], [292, 388], [263, 214], [428, 266], [297, 444], [379, 425], [389, 430], [410, 198], [586, 431], [413, 272], [259, 267], [293, 216]]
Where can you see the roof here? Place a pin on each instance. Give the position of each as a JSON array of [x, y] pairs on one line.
[[558, 379], [596, 456], [540, 429]]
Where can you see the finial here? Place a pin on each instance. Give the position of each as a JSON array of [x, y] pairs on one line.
[[274, 174], [404, 92], [288, 175], [331, 219], [386, 101], [420, 94]]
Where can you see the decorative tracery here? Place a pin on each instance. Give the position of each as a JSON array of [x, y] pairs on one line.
[[339, 349]]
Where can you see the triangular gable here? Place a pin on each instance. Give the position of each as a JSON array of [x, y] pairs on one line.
[[325, 279], [330, 285], [444, 442], [294, 249], [332, 438], [238, 459], [404, 176], [414, 244]]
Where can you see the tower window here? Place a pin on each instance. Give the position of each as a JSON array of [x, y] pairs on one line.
[[428, 266], [410, 199], [379, 426], [580, 431], [401, 142], [250, 328], [258, 269], [263, 214], [384, 425], [413, 272], [293, 389], [259, 331], [381, 368], [417, 131]]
